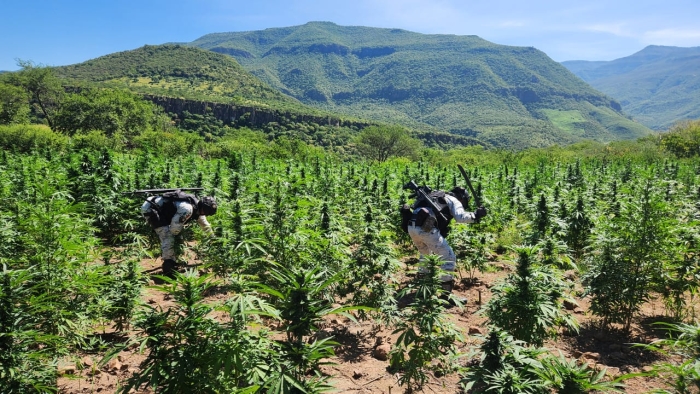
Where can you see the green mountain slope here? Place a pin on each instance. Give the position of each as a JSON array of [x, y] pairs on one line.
[[180, 71], [658, 85], [507, 96], [182, 78]]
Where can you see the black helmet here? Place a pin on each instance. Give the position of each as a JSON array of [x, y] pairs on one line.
[[462, 195], [207, 206]]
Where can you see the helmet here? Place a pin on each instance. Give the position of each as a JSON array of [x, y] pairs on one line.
[[462, 195], [207, 206]]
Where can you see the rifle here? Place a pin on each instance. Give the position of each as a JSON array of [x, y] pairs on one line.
[[158, 191], [421, 194]]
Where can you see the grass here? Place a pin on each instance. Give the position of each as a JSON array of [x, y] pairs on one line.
[[568, 121]]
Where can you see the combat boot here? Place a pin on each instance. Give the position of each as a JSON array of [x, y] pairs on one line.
[[169, 268], [447, 287]]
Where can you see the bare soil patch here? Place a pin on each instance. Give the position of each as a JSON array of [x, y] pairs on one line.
[[355, 369]]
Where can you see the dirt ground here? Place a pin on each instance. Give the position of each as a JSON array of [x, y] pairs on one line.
[[355, 368]]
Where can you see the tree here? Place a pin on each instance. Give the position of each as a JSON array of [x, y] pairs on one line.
[[683, 140], [382, 142], [43, 87], [108, 110], [14, 106]]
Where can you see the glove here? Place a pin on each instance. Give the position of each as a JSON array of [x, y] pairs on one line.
[[480, 213]]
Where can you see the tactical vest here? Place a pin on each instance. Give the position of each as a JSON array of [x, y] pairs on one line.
[[438, 197], [163, 215]]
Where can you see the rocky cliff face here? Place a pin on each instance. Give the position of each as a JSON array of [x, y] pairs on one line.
[[245, 116], [257, 118]]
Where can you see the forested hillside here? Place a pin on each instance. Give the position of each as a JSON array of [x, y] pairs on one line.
[[197, 86], [507, 96], [178, 71], [657, 86]]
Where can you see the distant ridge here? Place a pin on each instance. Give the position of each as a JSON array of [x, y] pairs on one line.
[[658, 85], [507, 96]]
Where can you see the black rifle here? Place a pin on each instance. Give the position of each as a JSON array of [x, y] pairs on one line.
[[422, 195], [158, 191]]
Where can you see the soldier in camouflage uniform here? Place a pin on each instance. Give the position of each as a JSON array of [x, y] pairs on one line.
[[428, 229], [168, 214]]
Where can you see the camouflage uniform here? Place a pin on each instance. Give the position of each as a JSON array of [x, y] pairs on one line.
[[167, 232], [432, 242]]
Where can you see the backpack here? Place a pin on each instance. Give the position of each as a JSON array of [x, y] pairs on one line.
[[423, 210], [162, 215], [179, 195]]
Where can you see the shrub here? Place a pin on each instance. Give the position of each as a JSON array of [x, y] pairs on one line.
[[96, 140], [25, 138], [167, 144], [683, 140]]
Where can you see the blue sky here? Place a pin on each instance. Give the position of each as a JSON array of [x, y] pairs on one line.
[[61, 32]]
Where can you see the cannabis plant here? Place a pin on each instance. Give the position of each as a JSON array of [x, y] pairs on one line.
[[373, 269], [506, 365], [123, 291], [555, 254], [425, 334], [303, 298], [573, 377], [633, 252], [471, 250], [187, 349], [682, 375], [578, 228], [529, 303], [235, 248], [58, 243], [682, 277], [27, 356], [510, 380]]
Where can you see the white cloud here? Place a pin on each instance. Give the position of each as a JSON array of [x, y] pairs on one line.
[[617, 29], [673, 36]]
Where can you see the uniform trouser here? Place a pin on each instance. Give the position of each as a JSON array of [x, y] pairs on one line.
[[167, 243], [433, 243]]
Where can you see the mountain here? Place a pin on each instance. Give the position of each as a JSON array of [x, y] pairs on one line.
[[507, 96], [179, 71], [187, 79], [657, 86]]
